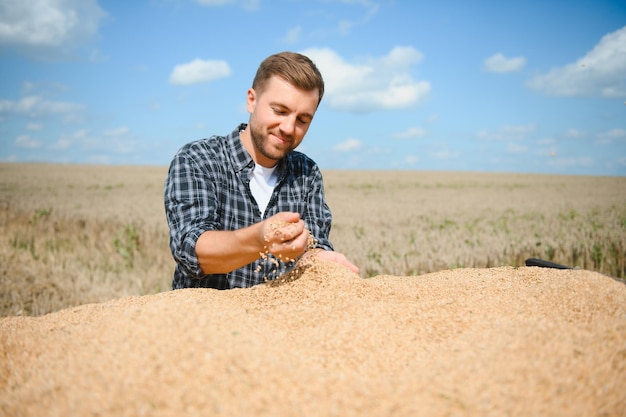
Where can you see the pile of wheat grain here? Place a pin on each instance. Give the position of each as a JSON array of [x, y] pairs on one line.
[[473, 342]]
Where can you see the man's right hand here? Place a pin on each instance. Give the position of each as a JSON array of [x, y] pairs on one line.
[[285, 236]]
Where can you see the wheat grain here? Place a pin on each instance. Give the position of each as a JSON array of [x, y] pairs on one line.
[[287, 268]]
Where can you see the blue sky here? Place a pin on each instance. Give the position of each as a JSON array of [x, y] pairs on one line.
[[494, 86]]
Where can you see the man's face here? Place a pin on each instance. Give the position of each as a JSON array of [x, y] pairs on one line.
[[279, 118]]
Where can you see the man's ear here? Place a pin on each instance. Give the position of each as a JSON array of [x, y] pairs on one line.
[[251, 100]]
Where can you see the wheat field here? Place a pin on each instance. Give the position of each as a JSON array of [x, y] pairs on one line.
[[74, 234]]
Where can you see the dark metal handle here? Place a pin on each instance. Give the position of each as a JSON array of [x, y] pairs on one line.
[[545, 264]]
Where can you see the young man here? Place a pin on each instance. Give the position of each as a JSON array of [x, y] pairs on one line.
[[241, 208]]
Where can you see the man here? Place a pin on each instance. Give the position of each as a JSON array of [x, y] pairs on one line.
[[242, 208]]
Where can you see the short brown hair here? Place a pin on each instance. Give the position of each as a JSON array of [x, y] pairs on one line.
[[297, 69]]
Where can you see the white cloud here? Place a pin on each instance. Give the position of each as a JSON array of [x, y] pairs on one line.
[[34, 126], [347, 145], [546, 141], [599, 73], [344, 27], [370, 84], [446, 154], [506, 132], [621, 162], [75, 140], [120, 131], [611, 136], [113, 141], [501, 64], [516, 148], [215, 2], [37, 106], [199, 71], [547, 147], [410, 133], [574, 133], [48, 23], [26, 141], [293, 35], [249, 5], [411, 159], [61, 144]]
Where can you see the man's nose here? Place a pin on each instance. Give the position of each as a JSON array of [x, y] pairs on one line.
[[288, 125]]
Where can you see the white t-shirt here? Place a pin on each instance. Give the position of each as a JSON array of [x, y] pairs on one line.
[[262, 183]]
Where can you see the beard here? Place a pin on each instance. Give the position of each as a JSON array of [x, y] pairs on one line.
[[261, 142]]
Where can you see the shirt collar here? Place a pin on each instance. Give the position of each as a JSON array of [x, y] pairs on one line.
[[239, 156]]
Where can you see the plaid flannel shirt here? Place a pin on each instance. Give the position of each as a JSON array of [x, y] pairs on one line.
[[207, 188]]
